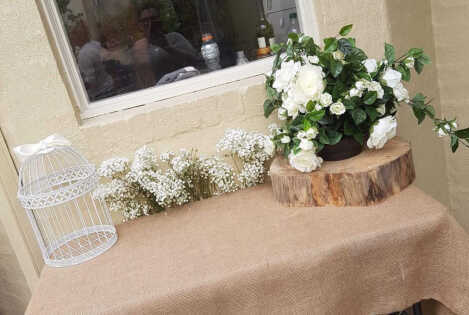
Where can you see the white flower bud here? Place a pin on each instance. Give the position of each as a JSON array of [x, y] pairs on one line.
[[285, 139], [337, 108]]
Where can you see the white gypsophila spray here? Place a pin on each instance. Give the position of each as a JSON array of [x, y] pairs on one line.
[[113, 168], [220, 174], [150, 184], [249, 154]]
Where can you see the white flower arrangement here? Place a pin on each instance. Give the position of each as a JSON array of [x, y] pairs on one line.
[[151, 184], [337, 91]]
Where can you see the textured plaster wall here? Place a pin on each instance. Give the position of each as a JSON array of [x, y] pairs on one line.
[[410, 25], [450, 25], [14, 291]]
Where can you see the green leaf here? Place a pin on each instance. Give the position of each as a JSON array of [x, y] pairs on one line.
[[336, 68], [349, 128], [323, 138], [356, 56], [334, 137], [404, 71], [430, 111], [345, 46], [349, 104], [310, 106], [370, 97], [359, 137], [272, 93], [454, 143], [294, 37], [275, 48], [419, 114], [463, 133], [316, 115], [358, 115], [390, 53], [419, 99], [306, 124], [330, 44], [372, 113], [344, 31], [425, 59], [418, 66], [268, 108], [415, 52]]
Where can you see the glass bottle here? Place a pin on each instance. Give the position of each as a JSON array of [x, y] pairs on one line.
[[264, 31], [210, 52], [241, 58], [293, 28]]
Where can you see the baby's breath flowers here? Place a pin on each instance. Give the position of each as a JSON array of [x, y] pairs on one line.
[[150, 183], [250, 151]]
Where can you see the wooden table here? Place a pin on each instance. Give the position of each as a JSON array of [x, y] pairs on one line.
[[244, 253]]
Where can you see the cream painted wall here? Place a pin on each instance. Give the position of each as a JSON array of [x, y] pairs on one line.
[[13, 286], [34, 101], [410, 25], [450, 25]]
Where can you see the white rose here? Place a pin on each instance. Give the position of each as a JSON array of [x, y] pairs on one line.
[[301, 135], [355, 92], [269, 146], [448, 127], [382, 131], [282, 113], [285, 75], [454, 125], [338, 55], [318, 107], [306, 145], [337, 108], [410, 62], [291, 106], [441, 133], [325, 99], [371, 65], [310, 59], [392, 77], [400, 92], [375, 86], [310, 82], [313, 59], [285, 139], [381, 109], [361, 85], [305, 161], [312, 132]]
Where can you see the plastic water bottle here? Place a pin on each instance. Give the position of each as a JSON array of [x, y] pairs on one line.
[[293, 28], [210, 52]]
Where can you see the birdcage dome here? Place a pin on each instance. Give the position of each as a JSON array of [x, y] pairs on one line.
[[55, 186]]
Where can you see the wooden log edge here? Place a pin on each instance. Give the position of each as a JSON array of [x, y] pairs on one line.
[[366, 179]]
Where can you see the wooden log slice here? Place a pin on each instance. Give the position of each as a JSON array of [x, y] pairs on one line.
[[365, 179]]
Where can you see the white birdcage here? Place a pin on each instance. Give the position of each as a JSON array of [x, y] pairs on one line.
[[55, 185]]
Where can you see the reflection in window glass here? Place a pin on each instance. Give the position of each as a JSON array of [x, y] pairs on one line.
[[122, 46]]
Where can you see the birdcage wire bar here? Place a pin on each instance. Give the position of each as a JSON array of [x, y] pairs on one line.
[[70, 225]]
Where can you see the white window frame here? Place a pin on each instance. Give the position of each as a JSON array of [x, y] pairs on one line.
[[88, 109]]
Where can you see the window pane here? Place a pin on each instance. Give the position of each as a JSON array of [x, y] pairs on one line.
[[122, 46]]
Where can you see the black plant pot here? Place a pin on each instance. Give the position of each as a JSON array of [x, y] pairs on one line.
[[346, 148]]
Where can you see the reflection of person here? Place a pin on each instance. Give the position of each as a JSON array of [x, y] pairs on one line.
[[90, 61], [166, 52]]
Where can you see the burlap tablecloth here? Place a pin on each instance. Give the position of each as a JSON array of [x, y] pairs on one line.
[[243, 253]]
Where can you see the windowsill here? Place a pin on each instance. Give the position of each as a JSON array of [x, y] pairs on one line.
[[186, 87], [128, 113]]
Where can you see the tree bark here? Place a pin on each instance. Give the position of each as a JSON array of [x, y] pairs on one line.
[[363, 180]]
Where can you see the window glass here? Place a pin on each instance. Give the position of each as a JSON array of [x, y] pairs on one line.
[[122, 46]]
